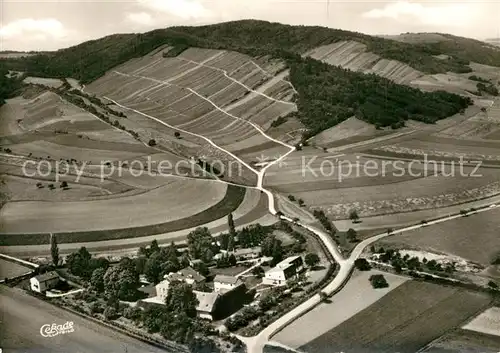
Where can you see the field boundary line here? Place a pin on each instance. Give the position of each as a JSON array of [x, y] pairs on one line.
[[15, 259], [184, 131], [236, 81]]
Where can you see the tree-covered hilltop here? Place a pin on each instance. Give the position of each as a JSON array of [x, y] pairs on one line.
[[9, 86], [327, 94]]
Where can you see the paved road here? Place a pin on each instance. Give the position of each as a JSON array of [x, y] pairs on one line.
[[22, 317]]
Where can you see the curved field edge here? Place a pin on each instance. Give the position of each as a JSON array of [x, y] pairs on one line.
[[233, 198]]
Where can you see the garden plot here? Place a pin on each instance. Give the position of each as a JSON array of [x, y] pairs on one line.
[[354, 56], [404, 320], [487, 322], [474, 238], [357, 295], [167, 203]]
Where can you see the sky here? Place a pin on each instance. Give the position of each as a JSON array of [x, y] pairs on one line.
[[49, 25]]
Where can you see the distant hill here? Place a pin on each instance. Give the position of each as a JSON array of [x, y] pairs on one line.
[[327, 94]]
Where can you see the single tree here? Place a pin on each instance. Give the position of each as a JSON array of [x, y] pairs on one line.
[[353, 216], [362, 264], [54, 250], [177, 134], [230, 223], [97, 279], [378, 281], [154, 247], [351, 235], [230, 244], [311, 259], [64, 184], [152, 142], [152, 268]]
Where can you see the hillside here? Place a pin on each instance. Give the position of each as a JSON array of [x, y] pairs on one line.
[[327, 94]]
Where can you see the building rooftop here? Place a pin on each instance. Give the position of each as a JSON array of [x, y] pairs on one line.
[[246, 251], [47, 276], [206, 301], [226, 279], [185, 273], [287, 262]]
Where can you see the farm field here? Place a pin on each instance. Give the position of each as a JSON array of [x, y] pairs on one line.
[[201, 90], [474, 238], [487, 322], [166, 203], [357, 295], [119, 241], [248, 207], [409, 218], [464, 341], [355, 56], [405, 320], [22, 188], [347, 131], [402, 195], [9, 269], [436, 147], [50, 82]]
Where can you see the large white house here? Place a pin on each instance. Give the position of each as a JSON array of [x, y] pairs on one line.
[[42, 283], [187, 275], [284, 271], [226, 283]]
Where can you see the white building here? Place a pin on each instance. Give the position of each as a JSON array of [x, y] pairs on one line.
[[226, 283], [287, 269], [42, 283], [187, 275]]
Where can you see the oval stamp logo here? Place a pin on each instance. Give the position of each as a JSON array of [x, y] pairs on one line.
[[52, 330]]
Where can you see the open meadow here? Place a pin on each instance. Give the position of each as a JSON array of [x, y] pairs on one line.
[[404, 320], [474, 238], [357, 295]]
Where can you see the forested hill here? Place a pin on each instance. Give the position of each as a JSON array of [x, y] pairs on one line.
[[327, 94]]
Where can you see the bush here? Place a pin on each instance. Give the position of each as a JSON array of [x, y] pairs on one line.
[[96, 308], [110, 313], [362, 265], [378, 281]]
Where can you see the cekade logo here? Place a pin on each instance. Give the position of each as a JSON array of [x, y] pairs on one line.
[[53, 330]]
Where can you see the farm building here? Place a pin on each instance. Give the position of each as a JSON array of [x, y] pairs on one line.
[[187, 275], [42, 283], [247, 253], [211, 306], [284, 271], [226, 283], [206, 304]]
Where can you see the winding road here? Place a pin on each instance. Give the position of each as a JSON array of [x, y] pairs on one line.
[[256, 343]]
